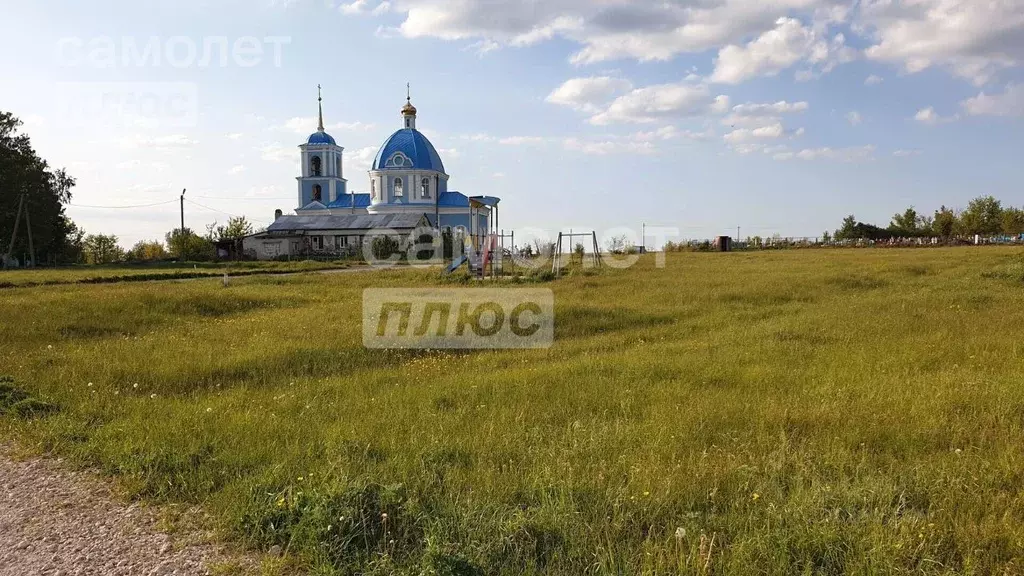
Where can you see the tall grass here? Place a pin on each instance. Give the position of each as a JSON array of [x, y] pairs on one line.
[[824, 412]]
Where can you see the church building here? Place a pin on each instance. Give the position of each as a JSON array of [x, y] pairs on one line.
[[408, 189]]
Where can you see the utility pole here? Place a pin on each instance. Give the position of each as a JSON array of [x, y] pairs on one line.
[[643, 237], [14, 231], [31, 246], [737, 233], [181, 233]]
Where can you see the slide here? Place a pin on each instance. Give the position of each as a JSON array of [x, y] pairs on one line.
[[455, 265]]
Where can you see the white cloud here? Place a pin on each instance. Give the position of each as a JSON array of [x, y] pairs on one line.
[[358, 161], [659, 102], [854, 118], [667, 133], [931, 117], [605, 147], [1009, 103], [906, 153], [236, 169], [972, 38], [775, 50], [744, 135], [873, 80], [234, 136], [588, 94], [852, 154], [751, 122], [277, 153], [308, 124], [521, 140]]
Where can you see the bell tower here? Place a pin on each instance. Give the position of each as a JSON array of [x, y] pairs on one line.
[[321, 179]]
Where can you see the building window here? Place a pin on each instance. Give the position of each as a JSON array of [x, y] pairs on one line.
[[317, 193], [399, 190], [337, 167], [373, 188], [317, 242], [341, 241], [397, 160], [315, 168], [425, 188]]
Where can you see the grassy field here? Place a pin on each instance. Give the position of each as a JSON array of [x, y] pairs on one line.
[[162, 271], [792, 412]]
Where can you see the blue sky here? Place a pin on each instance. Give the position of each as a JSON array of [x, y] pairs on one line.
[[778, 117]]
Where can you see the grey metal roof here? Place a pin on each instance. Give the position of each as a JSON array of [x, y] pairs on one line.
[[402, 221]]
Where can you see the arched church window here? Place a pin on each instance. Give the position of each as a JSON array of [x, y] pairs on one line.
[[425, 188], [317, 193], [373, 188], [315, 167], [337, 167], [399, 190]]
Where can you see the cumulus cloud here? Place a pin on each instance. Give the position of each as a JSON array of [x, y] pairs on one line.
[[605, 147], [974, 39], [777, 49], [588, 94], [873, 80], [851, 154], [359, 160], [906, 153], [659, 102], [1008, 103], [931, 117]]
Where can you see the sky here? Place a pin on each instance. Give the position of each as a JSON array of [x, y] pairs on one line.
[[777, 117]]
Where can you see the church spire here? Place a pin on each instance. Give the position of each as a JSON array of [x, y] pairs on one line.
[[409, 111], [320, 103]]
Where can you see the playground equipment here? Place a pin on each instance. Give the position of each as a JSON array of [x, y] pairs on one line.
[[556, 264]]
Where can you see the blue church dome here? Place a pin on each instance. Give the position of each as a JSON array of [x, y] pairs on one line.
[[321, 137], [417, 152]]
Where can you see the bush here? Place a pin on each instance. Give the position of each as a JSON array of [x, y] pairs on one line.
[[384, 247]]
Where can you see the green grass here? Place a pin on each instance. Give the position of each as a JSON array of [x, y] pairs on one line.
[[803, 412], [156, 271]]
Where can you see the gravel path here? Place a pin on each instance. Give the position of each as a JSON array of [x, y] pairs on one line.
[[57, 522]]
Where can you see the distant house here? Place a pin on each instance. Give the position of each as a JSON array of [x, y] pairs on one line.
[[339, 235]]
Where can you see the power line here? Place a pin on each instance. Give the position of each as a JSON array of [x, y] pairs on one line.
[[242, 198], [222, 212], [122, 207]]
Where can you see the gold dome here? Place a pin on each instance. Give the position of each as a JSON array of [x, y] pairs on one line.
[[408, 109]]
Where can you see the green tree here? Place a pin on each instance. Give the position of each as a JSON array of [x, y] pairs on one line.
[[236, 228], [905, 224], [147, 251], [944, 223], [1012, 221], [187, 245], [984, 215], [846, 231], [102, 249], [46, 192]]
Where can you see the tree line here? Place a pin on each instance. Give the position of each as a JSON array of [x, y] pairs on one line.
[[28, 184], [178, 244], [984, 216]]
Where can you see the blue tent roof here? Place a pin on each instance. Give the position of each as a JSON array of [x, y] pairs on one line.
[[351, 201], [415, 146], [453, 199], [321, 137]]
